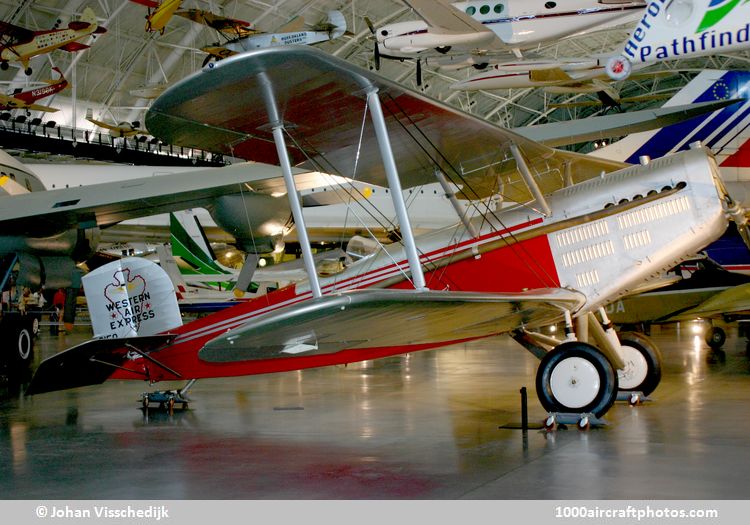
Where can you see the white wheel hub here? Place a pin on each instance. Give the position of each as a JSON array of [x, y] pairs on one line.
[[636, 368], [574, 382], [24, 344]]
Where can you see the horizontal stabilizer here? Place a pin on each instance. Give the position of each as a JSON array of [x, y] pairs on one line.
[[365, 319], [735, 300], [608, 126], [89, 363]]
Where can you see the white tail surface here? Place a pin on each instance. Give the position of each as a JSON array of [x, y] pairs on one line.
[[131, 297], [336, 19], [89, 16]]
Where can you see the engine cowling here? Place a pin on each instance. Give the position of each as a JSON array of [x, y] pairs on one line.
[[50, 272], [51, 261], [257, 221]]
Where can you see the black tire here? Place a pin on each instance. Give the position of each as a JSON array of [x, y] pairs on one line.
[[585, 360], [715, 337], [650, 356]]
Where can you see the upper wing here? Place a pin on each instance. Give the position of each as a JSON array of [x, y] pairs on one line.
[[47, 212], [443, 18], [11, 34], [218, 22], [101, 123], [355, 320], [39, 107], [553, 74], [320, 99]]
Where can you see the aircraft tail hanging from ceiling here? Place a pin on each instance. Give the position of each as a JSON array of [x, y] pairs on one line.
[[725, 131]]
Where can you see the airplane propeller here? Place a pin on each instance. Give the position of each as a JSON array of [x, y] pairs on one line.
[[419, 71], [376, 49]]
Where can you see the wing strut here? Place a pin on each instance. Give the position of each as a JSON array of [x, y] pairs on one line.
[[528, 178], [389, 163], [440, 176], [277, 126]]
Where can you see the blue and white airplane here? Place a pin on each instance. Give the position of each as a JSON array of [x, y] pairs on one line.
[[673, 29], [726, 132]]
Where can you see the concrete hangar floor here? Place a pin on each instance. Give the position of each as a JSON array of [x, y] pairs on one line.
[[422, 426]]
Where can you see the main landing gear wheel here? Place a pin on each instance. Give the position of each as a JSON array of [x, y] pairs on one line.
[[715, 337], [642, 372], [576, 377]]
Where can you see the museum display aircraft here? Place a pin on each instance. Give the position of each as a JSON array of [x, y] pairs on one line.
[[464, 34], [119, 129], [672, 29], [18, 44], [584, 232], [159, 13], [292, 33], [556, 76], [231, 27], [27, 99]]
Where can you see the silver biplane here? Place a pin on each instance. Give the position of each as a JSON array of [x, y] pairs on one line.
[[572, 234]]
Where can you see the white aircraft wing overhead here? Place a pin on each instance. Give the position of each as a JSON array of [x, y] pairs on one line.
[[356, 321], [46, 212], [321, 101], [443, 18]]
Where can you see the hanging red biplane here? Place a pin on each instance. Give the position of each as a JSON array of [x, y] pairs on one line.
[[18, 44], [575, 233]]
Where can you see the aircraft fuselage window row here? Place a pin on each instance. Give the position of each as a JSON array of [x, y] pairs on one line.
[[485, 9]]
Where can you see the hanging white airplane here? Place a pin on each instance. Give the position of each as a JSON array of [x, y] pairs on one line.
[[577, 240], [471, 33], [672, 29], [293, 33]]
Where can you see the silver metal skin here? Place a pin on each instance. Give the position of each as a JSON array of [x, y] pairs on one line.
[[440, 176], [531, 183], [389, 163]]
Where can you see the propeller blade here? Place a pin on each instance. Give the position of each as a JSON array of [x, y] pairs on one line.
[[370, 25], [419, 71], [744, 231], [376, 56]]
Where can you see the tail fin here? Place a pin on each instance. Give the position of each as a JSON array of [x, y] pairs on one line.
[[338, 22], [60, 79], [191, 246], [131, 297], [89, 16], [683, 29], [724, 131]]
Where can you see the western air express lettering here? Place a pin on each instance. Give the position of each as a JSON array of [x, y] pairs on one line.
[[131, 311], [705, 42]]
